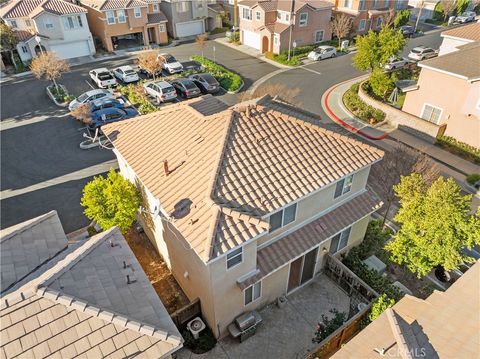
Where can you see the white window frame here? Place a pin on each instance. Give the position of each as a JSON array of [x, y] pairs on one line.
[[282, 211], [161, 28], [79, 21], [398, 5], [256, 289], [362, 6], [69, 23], [347, 4], [155, 7], [28, 23], [139, 14], [122, 19], [47, 22], [233, 254], [303, 22], [108, 18], [249, 14], [433, 107], [343, 237], [364, 22], [13, 24], [374, 4], [24, 49], [258, 15], [346, 184], [315, 36], [276, 39], [379, 21]]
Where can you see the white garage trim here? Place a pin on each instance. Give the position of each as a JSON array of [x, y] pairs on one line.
[[190, 28], [71, 49], [251, 39]]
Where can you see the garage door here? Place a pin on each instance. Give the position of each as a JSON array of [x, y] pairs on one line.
[[251, 39], [71, 50], [189, 28]]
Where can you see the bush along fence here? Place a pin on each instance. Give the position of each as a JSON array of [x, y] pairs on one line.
[[229, 80], [459, 148]]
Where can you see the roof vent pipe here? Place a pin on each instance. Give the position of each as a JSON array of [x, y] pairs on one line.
[[247, 111], [165, 168]]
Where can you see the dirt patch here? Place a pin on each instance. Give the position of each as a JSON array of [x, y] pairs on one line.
[[420, 287], [167, 288]]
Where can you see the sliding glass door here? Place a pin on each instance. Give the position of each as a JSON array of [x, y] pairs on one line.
[[302, 270]]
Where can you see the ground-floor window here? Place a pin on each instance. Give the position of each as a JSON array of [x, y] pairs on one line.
[[431, 113], [24, 50], [319, 36], [253, 292], [161, 27], [362, 24], [340, 240]]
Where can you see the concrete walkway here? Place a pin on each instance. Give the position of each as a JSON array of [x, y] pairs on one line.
[[286, 333]]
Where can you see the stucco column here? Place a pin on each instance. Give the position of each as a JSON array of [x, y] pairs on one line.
[[108, 44], [146, 40]]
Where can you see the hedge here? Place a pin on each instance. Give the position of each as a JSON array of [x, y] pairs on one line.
[[229, 80], [473, 178], [359, 108], [461, 149], [296, 55]]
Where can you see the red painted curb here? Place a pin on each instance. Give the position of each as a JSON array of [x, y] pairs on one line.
[[343, 123]]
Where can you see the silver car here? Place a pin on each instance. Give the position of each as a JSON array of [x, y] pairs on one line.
[[420, 53], [90, 96], [322, 52], [162, 91], [396, 63]]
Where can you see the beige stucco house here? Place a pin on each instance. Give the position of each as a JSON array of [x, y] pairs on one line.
[[265, 25], [244, 203], [454, 38], [126, 23]]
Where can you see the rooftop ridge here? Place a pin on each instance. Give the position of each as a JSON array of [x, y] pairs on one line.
[[398, 334], [27, 225]]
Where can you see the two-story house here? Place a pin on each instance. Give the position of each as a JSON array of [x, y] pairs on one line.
[[367, 14], [126, 23], [49, 25], [186, 17], [244, 204], [275, 25]]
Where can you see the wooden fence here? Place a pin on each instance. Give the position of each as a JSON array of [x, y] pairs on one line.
[[188, 312]]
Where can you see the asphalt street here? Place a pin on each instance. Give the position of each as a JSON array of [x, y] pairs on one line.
[[42, 167]]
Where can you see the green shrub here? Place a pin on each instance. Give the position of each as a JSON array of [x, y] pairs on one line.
[[234, 38], [328, 325], [381, 83], [219, 30], [229, 80], [461, 149], [380, 305], [360, 109], [473, 178]]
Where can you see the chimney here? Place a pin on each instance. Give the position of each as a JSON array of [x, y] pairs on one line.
[[247, 111], [165, 168]]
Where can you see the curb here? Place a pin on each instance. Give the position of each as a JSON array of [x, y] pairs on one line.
[[349, 127]]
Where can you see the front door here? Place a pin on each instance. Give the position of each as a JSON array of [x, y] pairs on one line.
[[302, 270]]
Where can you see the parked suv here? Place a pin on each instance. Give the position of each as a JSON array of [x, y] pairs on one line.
[[422, 53], [407, 30], [186, 88], [170, 63], [162, 91], [205, 82], [467, 16]]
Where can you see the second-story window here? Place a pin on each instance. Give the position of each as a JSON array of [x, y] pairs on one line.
[[362, 5], [303, 19], [110, 17], [347, 4], [398, 4], [28, 23], [343, 186], [340, 240], [155, 7], [48, 23], [121, 16], [13, 24], [137, 12], [234, 257], [258, 15], [246, 14], [283, 217], [374, 4], [386, 3]]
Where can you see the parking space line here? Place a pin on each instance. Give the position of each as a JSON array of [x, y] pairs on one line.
[[89, 84]]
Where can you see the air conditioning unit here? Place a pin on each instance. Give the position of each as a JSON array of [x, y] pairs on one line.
[[195, 326]]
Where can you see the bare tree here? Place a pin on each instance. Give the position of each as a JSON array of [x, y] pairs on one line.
[[201, 42], [282, 91], [82, 113], [148, 62], [341, 26], [48, 66], [398, 162], [389, 18], [447, 7]]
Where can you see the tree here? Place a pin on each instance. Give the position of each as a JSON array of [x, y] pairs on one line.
[[402, 18], [148, 62], [47, 65], [8, 40], [380, 305], [374, 49], [328, 325], [111, 201], [398, 162], [341, 26], [461, 6], [201, 42], [436, 225], [82, 113], [446, 7], [382, 83], [389, 18]]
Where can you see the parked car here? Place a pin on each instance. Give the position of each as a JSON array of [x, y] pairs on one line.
[[88, 97], [396, 63], [467, 16], [322, 52], [407, 30], [162, 91], [109, 115], [192, 65], [106, 102], [205, 82], [126, 74], [170, 63], [420, 53], [186, 88], [103, 78]]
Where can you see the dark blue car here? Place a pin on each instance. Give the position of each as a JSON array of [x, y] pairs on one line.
[[109, 115], [106, 103]]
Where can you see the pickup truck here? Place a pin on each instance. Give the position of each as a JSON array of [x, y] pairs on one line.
[[102, 78]]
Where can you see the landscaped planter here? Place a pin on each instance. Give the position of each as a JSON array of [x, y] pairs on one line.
[[51, 93], [222, 74]]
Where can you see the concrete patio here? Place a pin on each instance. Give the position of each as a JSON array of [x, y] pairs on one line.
[[286, 332]]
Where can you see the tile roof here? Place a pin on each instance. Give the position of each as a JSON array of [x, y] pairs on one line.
[[216, 7], [208, 105], [113, 4], [156, 17], [465, 62], [32, 8], [277, 27], [23, 35], [229, 169], [445, 325], [299, 4], [469, 32], [79, 303]]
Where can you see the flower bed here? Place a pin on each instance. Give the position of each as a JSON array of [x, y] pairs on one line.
[[136, 96], [461, 149], [59, 95], [360, 109], [229, 80]]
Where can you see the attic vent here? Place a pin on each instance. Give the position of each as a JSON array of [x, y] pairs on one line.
[[182, 208]]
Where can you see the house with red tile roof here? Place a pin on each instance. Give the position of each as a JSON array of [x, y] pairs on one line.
[[243, 203], [49, 25]]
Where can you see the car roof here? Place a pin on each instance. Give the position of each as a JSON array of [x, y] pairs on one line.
[[183, 80], [108, 110], [101, 69], [205, 74], [125, 67], [162, 84], [97, 91], [325, 47]]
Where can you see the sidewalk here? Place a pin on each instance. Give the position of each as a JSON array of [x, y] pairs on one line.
[[333, 105]]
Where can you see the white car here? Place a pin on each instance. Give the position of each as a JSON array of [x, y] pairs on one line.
[[126, 74], [103, 78], [170, 63], [396, 63], [90, 96], [420, 53], [467, 16], [322, 52], [162, 91]]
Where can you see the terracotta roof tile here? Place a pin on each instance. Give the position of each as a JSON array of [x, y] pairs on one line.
[[31, 8], [469, 32], [114, 4]]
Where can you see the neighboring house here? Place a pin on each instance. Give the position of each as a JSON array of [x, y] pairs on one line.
[[447, 93], [459, 36], [228, 6], [426, 9], [445, 325], [49, 25], [126, 23], [265, 25], [367, 14], [89, 299], [217, 14], [244, 203], [185, 17]]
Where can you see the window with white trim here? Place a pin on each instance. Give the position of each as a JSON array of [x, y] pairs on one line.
[[347, 4], [110, 17], [155, 7], [246, 14], [362, 5], [28, 23], [137, 12], [258, 15], [340, 240], [431, 113], [398, 4], [374, 4], [72, 22], [386, 3], [13, 24], [24, 50], [319, 36], [161, 27], [121, 18], [253, 292], [182, 6], [362, 24], [48, 23], [379, 21], [276, 39], [343, 186], [283, 217], [234, 257], [303, 19]]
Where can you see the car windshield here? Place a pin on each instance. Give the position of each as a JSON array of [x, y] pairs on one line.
[[129, 72], [82, 98], [104, 76], [168, 89], [209, 79], [416, 51], [189, 85], [170, 59]]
